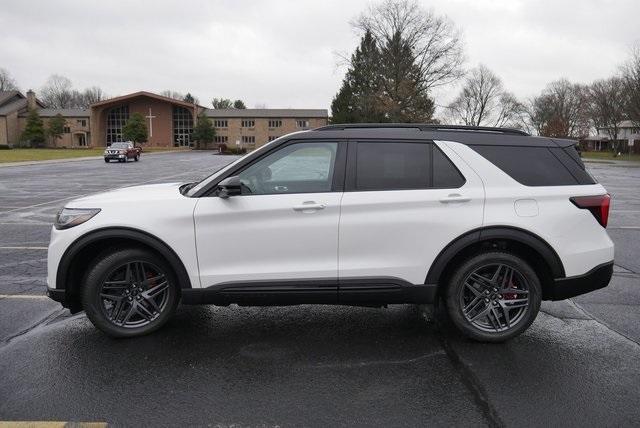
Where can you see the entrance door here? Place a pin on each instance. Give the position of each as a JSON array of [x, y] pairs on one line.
[[279, 238]]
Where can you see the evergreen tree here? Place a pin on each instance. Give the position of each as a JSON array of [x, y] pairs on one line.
[[33, 133], [357, 100], [203, 132], [239, 104], [189, 98], [56, 127], [403, 97], [135, 129]]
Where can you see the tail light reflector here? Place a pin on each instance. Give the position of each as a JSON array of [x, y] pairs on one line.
[[598, 205]]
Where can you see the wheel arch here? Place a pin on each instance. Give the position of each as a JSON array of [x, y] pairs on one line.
[[525, 244], [79, 255]]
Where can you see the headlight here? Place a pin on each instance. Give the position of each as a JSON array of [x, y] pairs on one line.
[[69, 217]]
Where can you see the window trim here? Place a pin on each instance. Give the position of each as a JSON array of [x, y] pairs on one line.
[[352, 158], [337, 183]]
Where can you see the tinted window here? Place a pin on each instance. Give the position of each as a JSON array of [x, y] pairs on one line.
[[531, 166], [445, 174], [571, 160], [393, 166], [297, 168]]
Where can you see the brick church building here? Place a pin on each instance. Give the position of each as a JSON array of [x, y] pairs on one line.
[[169, 121]]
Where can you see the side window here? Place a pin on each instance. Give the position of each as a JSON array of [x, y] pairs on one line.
[[445, 173], [393, 166], [297, 168], [531, 166]]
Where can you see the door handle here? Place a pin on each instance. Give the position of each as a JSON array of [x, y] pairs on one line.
[[454, 198], [309, 206]]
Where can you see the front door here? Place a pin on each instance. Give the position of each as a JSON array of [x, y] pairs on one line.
[[279, 238]]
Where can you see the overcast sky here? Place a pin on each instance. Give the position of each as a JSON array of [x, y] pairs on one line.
[[283, 53]]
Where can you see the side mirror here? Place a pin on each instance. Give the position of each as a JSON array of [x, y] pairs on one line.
[[230, 186]]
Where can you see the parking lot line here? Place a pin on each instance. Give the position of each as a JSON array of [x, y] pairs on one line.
[[50, 424]]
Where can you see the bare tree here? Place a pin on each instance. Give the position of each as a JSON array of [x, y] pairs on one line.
[[172, 94], [631, 79], [607, 106], [92, 95], [561, 110], [483, 101], [434, 41], [58, 92], [7, 83]]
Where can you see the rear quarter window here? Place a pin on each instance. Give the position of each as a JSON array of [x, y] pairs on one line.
[[535, 166]]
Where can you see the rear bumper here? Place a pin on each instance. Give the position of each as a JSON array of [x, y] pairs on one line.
[[595, 279]]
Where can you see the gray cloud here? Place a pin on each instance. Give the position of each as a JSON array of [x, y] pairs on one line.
[[282, 53]]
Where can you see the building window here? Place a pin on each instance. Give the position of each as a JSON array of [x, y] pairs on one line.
[[248, 139], [220, 139], [302, 123], [248, 123], [66, 130], [271, 138], [220, 123], [82, 122], [116, 119], [182, 126], [275, 123]]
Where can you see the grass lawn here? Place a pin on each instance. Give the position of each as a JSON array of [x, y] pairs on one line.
[[609, 156], [22, 155]]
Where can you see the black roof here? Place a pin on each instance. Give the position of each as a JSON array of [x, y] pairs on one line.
[[461, 134]]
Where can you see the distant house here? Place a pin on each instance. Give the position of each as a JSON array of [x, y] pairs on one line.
[[627, 130]]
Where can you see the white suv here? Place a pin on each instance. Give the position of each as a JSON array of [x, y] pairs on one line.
[[489, 220]]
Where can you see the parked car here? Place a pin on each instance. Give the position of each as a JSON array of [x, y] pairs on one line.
[[489, 221], [122, 152]]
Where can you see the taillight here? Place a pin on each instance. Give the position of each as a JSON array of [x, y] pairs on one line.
[[598, 205]]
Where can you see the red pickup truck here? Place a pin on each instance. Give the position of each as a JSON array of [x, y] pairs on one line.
[[122, 152]]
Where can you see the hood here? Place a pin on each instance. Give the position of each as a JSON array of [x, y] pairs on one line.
[[134, 194]]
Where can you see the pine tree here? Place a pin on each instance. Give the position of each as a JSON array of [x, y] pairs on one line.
[[56, 127], [357, 100], [403, 97], [33, 134], [203, 132], [135, 129]]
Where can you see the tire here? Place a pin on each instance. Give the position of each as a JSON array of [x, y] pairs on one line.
[[136, 158], [140, 300], [510, 286], [106, 160]]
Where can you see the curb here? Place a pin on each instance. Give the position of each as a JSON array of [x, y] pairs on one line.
[[50, 161]]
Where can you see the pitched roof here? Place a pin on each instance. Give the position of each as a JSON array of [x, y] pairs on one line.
[[259, 112], [10, 106], [142, 94], [7, 95], [65, 112]]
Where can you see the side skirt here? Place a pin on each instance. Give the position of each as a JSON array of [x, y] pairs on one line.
[[351, 291]]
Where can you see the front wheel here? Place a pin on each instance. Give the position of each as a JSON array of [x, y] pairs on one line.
[[129, 292], [136, 158], [106, 160], [493, 297]]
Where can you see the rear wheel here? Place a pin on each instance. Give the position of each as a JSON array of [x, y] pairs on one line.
[[493, 297], [129, 292]]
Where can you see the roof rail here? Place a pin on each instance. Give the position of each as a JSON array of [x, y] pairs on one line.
[[422, 127]]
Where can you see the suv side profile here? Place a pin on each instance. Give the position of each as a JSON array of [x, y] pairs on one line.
[[489, 220]]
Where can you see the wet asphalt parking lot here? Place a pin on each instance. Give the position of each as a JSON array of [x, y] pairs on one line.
[[578, 365]]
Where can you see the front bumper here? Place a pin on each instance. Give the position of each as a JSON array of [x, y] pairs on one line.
[[595, 279], [115, 156], [57, 295]]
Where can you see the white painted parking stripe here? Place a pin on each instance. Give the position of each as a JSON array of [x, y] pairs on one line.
[[23, 248], [25, 224], [23, 296], [624, 227]]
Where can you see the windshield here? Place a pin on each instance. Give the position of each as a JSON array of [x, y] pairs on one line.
[[119, 145]]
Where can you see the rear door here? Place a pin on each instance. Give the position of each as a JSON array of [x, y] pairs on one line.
[[404, 201]]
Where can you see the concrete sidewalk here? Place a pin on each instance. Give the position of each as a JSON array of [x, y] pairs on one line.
[[44, 162]]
